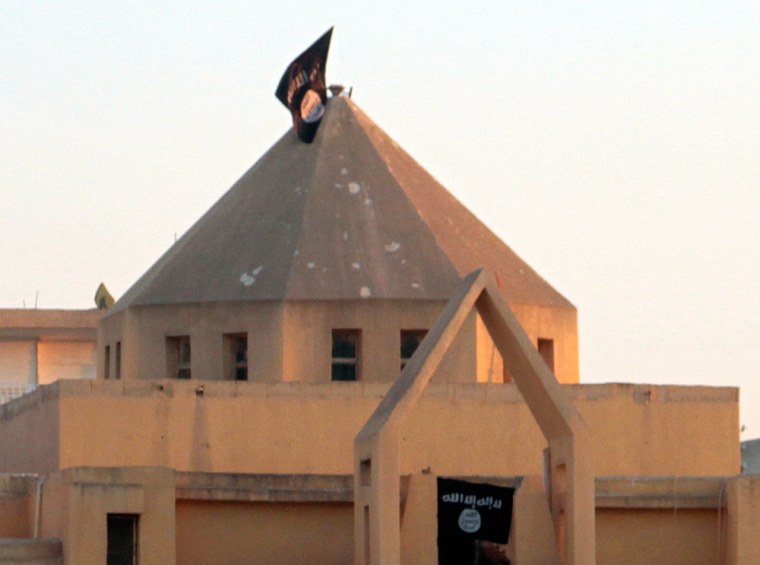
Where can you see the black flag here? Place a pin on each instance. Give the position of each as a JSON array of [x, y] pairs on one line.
[[302, 88], [470, 512]]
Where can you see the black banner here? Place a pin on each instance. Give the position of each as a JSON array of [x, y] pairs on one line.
[[303, 90], [473, 511]]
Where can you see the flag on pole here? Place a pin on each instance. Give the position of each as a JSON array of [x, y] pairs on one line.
[[303, 90]]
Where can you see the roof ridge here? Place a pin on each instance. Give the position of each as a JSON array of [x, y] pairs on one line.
[[380, 133], [364, 123], [349, 216], [307, 195]]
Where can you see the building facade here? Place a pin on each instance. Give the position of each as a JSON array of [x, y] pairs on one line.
[[234, 377], [41, 346]]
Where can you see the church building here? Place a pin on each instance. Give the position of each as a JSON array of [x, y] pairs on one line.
[[235, 376]]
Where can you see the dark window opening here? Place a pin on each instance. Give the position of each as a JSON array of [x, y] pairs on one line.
[[236, 357], [117, 368], [178, 357], [365, 472], [122, 539], [410, 341], [107, 363], [346, 355], [546, 350]]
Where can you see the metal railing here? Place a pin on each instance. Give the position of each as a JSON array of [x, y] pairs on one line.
[[9, 391]]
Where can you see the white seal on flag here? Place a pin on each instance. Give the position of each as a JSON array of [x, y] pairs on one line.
[[469, 520], [312, 108]]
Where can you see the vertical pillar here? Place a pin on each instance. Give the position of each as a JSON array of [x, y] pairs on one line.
[[572, 497], [377, 484], [35, 369], [742, 515]]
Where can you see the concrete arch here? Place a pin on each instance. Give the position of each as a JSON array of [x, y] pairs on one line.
[[568, 458]]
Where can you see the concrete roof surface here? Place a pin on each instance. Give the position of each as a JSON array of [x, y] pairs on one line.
[[48, 318], [350, 216], [31, 323]]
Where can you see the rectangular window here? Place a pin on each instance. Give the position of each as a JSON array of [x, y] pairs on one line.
[[107, 363], [546, 350], [410, 341], [122, 539], [236, 357], [365, 472], [117, 368], [346, 355], [178, 357]]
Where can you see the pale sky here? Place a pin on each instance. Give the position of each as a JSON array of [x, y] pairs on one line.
[[615, 146]]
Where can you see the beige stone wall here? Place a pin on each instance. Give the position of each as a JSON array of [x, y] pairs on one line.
[[232, 518], [669, 536], [45, 361], [743, 517], [30, 436], [65, 360], [559, 325], [663, 430], [17, 498], [308, 333], [16, 516], [297, 428], [41, 346], [16, 320], [490, 365], [113, 329], [533, 539], [18, 362], [419, 526], [143, 332], [291, 341], [77, 502], [281, 533]]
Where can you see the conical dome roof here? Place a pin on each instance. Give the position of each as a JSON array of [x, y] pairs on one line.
[[349, 216]]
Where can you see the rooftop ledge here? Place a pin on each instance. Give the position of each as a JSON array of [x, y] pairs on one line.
[[499, 393], [628, 492], [611, 492], [264, 488], [30, 323]]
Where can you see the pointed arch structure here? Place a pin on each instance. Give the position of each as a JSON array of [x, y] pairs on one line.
[[568, 458]]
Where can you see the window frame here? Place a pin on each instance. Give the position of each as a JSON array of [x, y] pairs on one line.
[[117, 361], [418, 334], [545, 347], [232, 365], [112, 555], [177, 367], [339, 364]]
